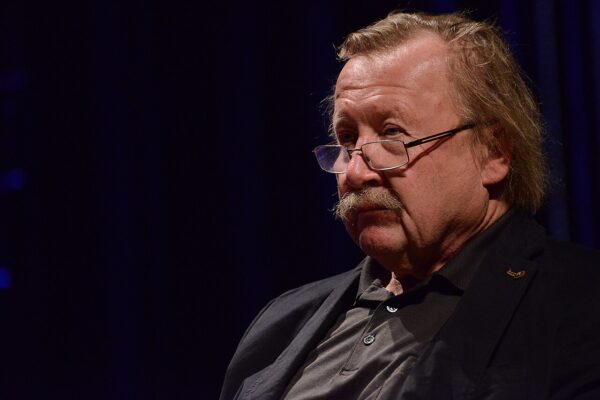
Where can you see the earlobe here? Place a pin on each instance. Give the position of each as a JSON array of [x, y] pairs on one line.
[[495, 170], [496, 165]]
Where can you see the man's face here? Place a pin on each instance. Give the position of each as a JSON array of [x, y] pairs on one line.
[[405, 94]]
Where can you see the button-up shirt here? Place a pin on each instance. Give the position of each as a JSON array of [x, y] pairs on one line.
[[372, 346]]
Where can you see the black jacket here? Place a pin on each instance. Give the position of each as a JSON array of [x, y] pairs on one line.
[[527, 327]]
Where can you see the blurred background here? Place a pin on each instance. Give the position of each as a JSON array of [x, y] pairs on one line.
[[157, 185]]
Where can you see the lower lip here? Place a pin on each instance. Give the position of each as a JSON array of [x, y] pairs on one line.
[[374, 216]]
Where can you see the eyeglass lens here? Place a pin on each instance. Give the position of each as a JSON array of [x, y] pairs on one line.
[[380, 155]]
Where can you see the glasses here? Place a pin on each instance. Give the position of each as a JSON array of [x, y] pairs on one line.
[[381, 155]]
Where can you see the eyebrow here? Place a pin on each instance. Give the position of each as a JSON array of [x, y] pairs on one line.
[[345, 118]]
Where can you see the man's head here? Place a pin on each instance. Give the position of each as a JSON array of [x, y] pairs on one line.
[[410, 76]]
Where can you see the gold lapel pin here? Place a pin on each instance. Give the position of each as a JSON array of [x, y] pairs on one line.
[[515, 275]]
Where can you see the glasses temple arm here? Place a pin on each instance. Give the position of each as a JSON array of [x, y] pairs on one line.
[[437, 136]]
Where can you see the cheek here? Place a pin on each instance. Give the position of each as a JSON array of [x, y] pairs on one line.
[[413, 185], [429, 187], [341, 184]]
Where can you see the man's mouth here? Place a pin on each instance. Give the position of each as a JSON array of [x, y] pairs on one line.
[[365, 200], [369, 208]]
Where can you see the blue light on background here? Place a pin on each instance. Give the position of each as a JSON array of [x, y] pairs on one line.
[[12, 180], [13, 81], [5, 278]]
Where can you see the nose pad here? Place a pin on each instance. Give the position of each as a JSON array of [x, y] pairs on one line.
[[358, 153], [360, 174], [357, 156]]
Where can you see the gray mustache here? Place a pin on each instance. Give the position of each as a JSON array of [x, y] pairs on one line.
[[346, 208]]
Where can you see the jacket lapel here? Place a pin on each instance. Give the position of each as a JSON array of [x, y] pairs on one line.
[[456, 359], [271, 382]]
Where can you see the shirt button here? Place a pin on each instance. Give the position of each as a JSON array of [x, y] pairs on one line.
[[368, 339], [391, 309]]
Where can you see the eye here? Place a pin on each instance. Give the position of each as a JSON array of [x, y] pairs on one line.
[[392, 132], [347, 139]]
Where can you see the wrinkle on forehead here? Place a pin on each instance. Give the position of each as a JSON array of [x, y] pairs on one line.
[[400, 109], [350, 91], [414, 74], [414, 58]]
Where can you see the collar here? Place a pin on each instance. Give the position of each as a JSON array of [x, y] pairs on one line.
[[458, 271]]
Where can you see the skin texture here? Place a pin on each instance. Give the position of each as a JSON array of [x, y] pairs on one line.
[[444, 190]]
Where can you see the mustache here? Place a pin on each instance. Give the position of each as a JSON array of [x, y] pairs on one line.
[[348, 205]]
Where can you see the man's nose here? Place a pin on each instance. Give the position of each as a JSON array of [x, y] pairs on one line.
[[359, 174]]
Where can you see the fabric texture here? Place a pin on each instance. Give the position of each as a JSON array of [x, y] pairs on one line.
[[374, 344], [527, 327]]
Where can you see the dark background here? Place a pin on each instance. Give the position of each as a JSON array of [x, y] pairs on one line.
[[157, 184]]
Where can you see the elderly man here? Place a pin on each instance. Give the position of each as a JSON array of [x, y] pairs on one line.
[[438, 162]]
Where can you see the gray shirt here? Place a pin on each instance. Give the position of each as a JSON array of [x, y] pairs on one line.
[[371, 347]]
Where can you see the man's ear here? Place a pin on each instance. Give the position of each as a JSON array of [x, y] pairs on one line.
[[495, 165]]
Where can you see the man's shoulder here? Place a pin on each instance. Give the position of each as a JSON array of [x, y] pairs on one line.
[[563, 251], [294, 307], [563, 269], [573, 267], [524, 237], [279, 322], [316, 290]]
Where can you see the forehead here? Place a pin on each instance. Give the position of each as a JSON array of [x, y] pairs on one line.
[[414, 75]]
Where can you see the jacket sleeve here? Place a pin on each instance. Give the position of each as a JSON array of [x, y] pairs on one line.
[[233, 376]]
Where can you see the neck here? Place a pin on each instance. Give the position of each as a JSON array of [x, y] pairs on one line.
[[417, 264], [399, 285]]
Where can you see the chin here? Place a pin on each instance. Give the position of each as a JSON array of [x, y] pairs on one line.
[[381, 240]]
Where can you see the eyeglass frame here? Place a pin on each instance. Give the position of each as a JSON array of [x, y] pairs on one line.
[[407, 145]]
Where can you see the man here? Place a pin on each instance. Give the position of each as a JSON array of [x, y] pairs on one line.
[[438, 163]]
